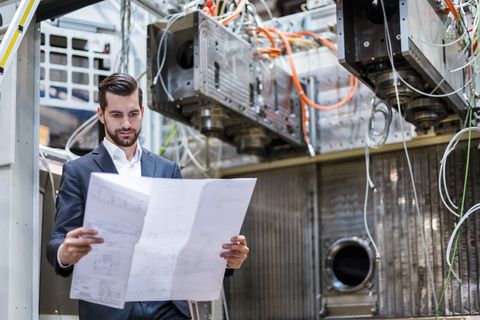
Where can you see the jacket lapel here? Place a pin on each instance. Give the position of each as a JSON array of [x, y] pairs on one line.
[[147, 164], [103, 159]]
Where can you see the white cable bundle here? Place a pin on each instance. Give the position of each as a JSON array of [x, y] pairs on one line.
[[442, 180], [451, 206]]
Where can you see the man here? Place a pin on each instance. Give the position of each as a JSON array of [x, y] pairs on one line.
[[121, 112]]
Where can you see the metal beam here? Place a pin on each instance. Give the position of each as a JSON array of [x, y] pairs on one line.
[[335, 156], [152, 7], [19, 184], [15, 32], [51, 9]]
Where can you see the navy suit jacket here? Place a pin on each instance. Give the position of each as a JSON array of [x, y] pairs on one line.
[[72, 196]]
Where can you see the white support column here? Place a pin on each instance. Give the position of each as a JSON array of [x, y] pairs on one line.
[[19, 185]]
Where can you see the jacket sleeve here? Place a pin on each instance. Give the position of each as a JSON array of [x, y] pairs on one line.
[[70, 207]]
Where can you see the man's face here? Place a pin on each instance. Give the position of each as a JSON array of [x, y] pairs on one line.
[[122, 119]]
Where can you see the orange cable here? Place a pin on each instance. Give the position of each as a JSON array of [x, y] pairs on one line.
[[304, 124], [273, 51], [269, 36], [298, 86], [322, 40], [305, 101], [235, 14], [452, 9]]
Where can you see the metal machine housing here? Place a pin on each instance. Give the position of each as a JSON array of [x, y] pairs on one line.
[[413, 27], [220, 85]]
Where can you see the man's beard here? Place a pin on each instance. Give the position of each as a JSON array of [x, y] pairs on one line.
[[123, 141]]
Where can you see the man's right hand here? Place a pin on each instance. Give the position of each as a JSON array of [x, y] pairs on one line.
[[77, 244]]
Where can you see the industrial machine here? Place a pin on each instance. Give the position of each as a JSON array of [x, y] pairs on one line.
[[414, 51], [214, 80]]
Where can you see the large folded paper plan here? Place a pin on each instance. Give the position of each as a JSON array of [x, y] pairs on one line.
[[163, 238]]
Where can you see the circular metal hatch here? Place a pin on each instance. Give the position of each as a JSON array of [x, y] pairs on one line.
[[349, 264]]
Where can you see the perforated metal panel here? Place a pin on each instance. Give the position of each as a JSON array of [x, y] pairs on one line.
[[72, 64]]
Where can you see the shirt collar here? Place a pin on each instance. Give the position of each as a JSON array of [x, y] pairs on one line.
[[114, 151]]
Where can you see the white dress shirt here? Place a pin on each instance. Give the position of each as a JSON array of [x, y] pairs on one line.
[[124, 167]]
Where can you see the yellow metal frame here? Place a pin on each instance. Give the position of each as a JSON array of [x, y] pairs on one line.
[[14, 35]]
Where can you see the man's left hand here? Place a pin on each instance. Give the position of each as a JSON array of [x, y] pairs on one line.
[[238, 252]]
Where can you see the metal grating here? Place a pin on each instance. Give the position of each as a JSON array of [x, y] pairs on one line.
[[72, 63], [279, 279]]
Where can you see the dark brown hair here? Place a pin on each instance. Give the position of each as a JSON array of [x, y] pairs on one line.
[[121, 84]]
